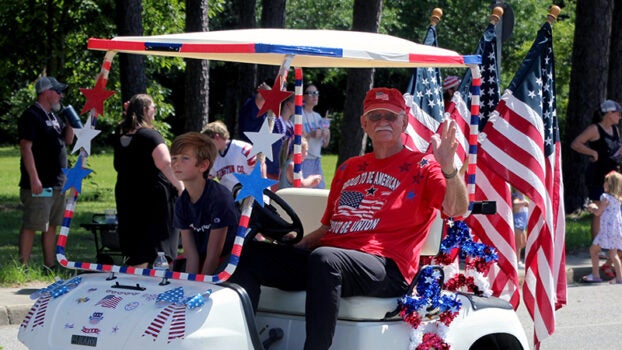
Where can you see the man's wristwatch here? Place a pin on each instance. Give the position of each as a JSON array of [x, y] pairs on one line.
[[450, 175]]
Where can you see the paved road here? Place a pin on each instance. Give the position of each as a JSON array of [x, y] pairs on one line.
[[591, 320]]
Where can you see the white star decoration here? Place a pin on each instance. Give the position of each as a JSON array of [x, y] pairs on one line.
[[84, 137], [262, 141]]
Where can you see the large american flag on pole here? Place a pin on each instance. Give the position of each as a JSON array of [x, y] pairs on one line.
[[521, 144], [495, 230], [424, 97]]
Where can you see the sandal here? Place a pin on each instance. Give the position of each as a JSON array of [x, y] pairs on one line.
[[608, 271], [615, 281], [590, 279]]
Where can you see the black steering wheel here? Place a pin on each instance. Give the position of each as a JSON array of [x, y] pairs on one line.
[[268, 221]]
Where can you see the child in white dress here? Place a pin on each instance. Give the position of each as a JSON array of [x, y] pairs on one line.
[[610, 234]]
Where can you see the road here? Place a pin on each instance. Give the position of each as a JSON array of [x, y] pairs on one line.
[[591, 320]]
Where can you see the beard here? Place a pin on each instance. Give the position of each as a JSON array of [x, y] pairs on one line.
[[56, 107]]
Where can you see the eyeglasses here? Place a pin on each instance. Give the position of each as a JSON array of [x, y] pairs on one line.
[[312, 93], [375, 116]]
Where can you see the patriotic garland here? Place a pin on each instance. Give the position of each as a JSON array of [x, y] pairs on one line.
[[441, 305]]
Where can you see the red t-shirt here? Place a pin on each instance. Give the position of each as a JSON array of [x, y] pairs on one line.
[[385, 207]]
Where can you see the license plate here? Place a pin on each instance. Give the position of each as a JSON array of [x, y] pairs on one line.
[[84, 340]]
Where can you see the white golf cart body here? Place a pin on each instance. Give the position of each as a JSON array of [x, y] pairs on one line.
[[117, 308]]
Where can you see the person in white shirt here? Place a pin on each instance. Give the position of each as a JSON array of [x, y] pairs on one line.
[[317, 134], [233, 155]]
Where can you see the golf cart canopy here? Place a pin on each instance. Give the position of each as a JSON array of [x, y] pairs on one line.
[[309, 48]]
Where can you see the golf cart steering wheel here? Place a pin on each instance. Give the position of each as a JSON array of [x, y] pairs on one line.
[[268, 221]]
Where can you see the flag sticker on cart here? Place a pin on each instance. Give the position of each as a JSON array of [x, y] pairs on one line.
[[109, 301]]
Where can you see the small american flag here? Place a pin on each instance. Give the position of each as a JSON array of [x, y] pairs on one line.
[[354, 204], [109, 301], [424, 97]]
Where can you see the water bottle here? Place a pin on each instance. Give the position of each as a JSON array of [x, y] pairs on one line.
[[161, 264]]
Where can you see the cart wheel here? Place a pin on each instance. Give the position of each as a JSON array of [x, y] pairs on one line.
[[105, 259]]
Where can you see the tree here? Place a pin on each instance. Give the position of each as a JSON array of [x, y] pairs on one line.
[[132, 67], [366, 18], [614, 89], [272, 16], [197, 71], [588, 88]]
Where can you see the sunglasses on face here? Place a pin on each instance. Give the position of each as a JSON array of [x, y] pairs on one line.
[[312, 93], [376, 116]]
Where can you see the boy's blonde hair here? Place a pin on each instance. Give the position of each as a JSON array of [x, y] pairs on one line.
[[216, 128], [614, 182], [202, 146]]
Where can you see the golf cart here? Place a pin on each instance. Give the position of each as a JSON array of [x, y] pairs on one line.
[[122, 307]]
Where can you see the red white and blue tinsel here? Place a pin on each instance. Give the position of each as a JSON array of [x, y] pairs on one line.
[[434, 303]]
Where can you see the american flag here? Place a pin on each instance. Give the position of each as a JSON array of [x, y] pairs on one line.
[[495, 230], [424, 97], [523, 147], [354, 204], [109, 301]]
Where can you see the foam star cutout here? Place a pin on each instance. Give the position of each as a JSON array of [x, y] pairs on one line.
[[262, 141], [75, 176], [253, 185], [96, 96], [273, 98], [84, 137]]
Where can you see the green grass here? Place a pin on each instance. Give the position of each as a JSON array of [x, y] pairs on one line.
[[98, 195]]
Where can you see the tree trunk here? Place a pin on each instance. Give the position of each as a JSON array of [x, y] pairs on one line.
[[247, 73], [197, 71], [614, 89], [272, 16], [588, 88], [366, 18], [132, 67]]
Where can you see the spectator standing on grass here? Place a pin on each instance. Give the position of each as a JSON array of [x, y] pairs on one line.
[[317, 135], [610, 234], [146, 188], [43, 137]]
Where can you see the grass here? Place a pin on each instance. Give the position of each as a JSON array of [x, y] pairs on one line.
[[98, 195]]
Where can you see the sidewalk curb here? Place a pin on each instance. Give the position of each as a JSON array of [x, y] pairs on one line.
[[13, 314]]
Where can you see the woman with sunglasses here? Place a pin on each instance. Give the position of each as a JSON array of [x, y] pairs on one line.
[[317, 135]]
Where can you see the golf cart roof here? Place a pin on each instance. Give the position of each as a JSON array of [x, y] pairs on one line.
[[309, 48]]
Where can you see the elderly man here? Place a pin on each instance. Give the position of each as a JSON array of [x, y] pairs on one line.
[[373, 250]]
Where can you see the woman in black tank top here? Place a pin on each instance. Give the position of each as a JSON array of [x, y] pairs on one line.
[[600, 141]]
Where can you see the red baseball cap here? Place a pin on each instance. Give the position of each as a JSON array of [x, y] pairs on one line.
[[388, 99]]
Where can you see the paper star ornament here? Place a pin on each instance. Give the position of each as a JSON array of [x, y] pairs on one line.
[[262, 141], [75, 176], [253, 185], [96, 96], [84, 136], [273, 98]]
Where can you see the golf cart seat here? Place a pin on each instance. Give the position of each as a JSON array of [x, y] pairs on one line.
[[310, 205]]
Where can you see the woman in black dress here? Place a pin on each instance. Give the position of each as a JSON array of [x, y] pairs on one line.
[[146, 186]]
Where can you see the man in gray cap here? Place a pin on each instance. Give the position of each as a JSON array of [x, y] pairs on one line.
[[43, 137]]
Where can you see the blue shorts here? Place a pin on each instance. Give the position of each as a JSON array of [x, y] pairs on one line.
[[520, 220]]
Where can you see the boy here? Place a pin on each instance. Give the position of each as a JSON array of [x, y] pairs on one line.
[[205, 212], [233, 155]]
